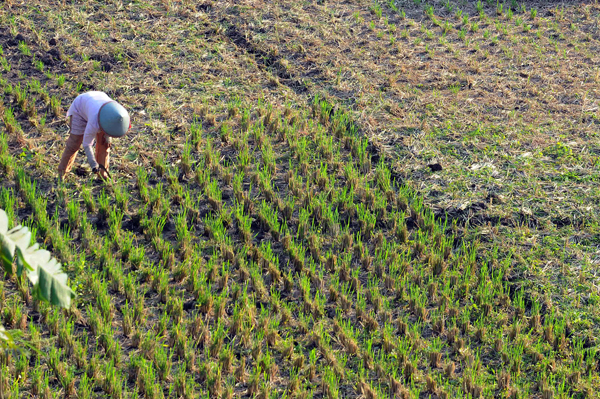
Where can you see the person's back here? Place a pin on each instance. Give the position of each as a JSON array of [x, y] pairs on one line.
[[88, 104]]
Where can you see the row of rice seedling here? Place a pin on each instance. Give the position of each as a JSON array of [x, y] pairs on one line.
[[414, 297]]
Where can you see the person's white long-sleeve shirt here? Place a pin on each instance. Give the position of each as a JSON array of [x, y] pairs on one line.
[[85, 108]]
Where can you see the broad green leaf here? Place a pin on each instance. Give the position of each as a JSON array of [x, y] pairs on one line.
[[44, 272], [53, 285], [3, 222], [6, 339], [20, 235], [7, 251]]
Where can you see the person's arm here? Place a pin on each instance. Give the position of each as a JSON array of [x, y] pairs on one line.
[[88, 139]]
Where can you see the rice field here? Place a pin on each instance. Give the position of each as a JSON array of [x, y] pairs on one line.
[[321, 199]]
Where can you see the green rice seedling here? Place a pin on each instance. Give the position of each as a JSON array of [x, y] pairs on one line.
[[202, 175], [88, 199], [211, 155], [159, 164], [153, 227], [8, 204], [163, 290], [113, 380], [300, 149], [39, 65], [8, 88], [173, 179], [34, 86], [115, 222], [214, 194], [12, 313], [196, 133], [5, 64], [533, 13], [104, 206], [217, 341], [175, 308], [243, 159], [80, 353], [6, 160], [184, 386], [186, 158], [145, 377], [60, 80], [139, 310], [244, 223], [214, 228], [225, 132], [345, 199], [31, 111], [68, 382], [245, 120], [268, 158], [128, 321], [24, 48], [366, 219], [55, 106], [178, 340], [54, 363], [270, 220], [201, 291], [287, 207], [429, 11], [114, 272], [156, 198], [37, 379], [66, 337], [322, 178], [105, 307], [330, 383], [303, 224], [142, 184], [137, 256], [126, 245], [10, 121], [184, 235], [435, 352], [85, 388], [257, 281], [74, 215], [264, 180], [121, 197]]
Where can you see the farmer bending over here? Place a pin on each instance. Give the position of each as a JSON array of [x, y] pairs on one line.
[[93, 115]]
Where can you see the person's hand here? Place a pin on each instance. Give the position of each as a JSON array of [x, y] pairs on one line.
[[96, 171], [103, 175]]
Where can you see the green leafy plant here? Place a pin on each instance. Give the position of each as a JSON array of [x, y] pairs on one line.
[[43, 271]]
